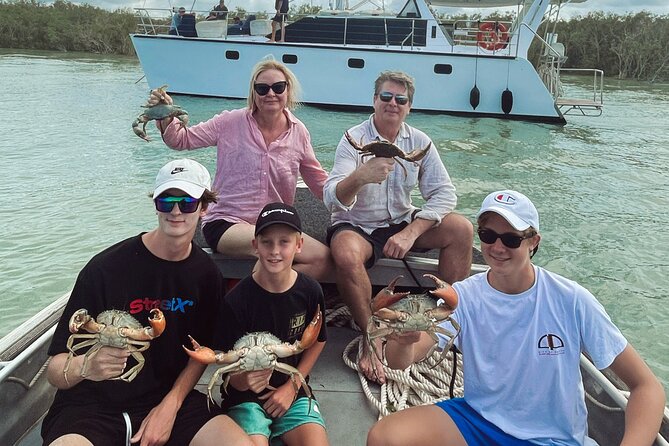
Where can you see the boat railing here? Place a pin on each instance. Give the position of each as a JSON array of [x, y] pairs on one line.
[[492, 35], [153, 21], [25, 393]]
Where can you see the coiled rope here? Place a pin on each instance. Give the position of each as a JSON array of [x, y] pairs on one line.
[[422, 383]]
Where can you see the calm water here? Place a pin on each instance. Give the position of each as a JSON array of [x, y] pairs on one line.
[[76, 180]]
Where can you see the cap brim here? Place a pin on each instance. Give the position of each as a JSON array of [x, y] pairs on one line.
[[259, 229], [517, 223], [191, 189]]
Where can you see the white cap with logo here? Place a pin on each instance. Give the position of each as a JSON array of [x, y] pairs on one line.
[[515, 207], [184, 174]]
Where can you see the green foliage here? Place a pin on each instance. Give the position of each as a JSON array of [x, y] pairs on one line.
[[64, 26], [632, 46]]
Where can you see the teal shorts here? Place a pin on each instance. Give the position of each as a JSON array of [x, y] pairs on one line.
[[255, 421]]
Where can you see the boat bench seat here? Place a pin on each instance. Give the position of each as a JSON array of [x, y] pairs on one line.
[[212, 28]]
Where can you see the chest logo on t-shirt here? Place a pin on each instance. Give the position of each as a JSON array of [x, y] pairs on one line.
[[175, 305], [296, 325], [550, 344]]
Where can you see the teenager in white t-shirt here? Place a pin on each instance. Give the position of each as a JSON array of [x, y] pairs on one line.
[[523, 330]]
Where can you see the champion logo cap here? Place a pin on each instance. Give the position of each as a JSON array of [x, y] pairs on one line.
[[278, 213], [515, 207], [184, 174]]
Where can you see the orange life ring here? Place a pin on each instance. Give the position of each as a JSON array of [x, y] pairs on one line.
[[492, 36]]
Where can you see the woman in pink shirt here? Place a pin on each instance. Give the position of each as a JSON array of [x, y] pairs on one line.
[[261, 150]]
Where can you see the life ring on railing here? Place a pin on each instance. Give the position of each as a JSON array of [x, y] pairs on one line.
[[492, 36]]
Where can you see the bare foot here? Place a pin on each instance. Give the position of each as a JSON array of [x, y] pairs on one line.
[[369, 363]]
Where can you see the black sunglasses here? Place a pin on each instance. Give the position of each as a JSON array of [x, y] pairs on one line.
[[277, 87], [509, 239], [187, 204], [387, 96]]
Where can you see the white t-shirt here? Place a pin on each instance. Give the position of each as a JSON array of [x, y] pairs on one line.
[[521, 355]]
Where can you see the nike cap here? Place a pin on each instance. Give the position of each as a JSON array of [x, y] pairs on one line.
[[184, 174]]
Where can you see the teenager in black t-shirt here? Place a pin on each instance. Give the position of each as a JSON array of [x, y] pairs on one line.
[[160, 269]]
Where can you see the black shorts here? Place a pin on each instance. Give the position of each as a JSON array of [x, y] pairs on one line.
[[214, 230], [107, 428], [377, 238]]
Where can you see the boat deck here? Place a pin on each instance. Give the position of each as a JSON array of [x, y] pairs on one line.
[[585, 107]]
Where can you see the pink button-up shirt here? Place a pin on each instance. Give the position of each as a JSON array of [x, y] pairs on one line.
[[249, 173]]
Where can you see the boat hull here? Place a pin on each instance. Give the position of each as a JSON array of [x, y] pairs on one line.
[[336, 75]]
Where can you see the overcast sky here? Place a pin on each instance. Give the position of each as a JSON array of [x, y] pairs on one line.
[[614, 6]]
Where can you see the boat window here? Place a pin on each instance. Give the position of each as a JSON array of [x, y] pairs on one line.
[[443, 68], [410, 11], [289, 59], [356, 63], [232, 55]]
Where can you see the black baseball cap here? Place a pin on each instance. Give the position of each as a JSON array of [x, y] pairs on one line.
[[278, 213]]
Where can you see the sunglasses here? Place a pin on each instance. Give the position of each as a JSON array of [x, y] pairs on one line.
[[277, 87], [187, 205], [386, 96], [510, 240]]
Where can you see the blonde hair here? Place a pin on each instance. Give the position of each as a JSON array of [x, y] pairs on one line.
[[399, 78], [293, 86]]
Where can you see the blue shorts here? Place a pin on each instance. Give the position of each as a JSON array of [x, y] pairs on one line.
[[255, 421], [474, 428]]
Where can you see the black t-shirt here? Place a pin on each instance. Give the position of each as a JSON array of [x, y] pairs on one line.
[[128, 277], [250, 308]]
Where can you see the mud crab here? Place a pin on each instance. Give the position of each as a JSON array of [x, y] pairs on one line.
[[161, 110], [403, 312], [258, 351], [385, 149], [113, 328]]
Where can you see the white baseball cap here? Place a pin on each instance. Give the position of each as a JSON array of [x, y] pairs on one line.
[[184, 174], [515, 207]]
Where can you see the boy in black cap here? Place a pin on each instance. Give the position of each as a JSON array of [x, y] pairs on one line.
[[279, 300]]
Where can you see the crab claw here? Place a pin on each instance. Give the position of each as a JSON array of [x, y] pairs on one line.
[[311, 332], [157, 322], [78, 320], [203, 355], [352, 141], [141, 132], [418, 154], [387, 296], [445, 292]]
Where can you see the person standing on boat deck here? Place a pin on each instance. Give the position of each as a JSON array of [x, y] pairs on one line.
[[162, 269], [523, 331], [267, 404], [279, 20], [219, 12], [372, 212], [261, 151], [176, 20]]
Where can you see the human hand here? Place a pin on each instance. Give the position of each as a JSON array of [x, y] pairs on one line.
[[156, 428], [376, 170], [399, 245], [255, 381], [406, 338], [107, 363], [157, 96], [279, 401]]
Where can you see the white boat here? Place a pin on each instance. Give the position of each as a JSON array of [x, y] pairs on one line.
[[478, 68], [25, 395]]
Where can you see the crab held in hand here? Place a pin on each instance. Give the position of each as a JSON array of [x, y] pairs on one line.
[[385, 149], [113, 328], [403, 312], [258, 351], [161, 110]]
